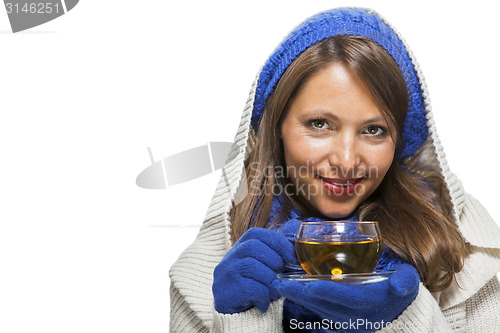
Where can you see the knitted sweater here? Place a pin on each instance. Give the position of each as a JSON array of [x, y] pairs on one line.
[[470, 304]]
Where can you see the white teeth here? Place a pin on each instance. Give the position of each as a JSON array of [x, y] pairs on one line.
[[337, 184]]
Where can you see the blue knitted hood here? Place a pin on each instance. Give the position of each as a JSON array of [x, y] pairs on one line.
[[357, 22]]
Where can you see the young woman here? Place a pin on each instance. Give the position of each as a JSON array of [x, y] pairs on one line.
[[338, 127]]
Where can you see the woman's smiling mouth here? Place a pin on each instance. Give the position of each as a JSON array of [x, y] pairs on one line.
[[342, 187]]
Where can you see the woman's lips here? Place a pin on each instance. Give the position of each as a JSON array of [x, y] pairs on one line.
[[342, 187]]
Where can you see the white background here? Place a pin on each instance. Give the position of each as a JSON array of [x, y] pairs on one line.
[[82, 248]]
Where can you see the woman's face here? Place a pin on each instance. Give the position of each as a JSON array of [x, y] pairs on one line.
[[337, 144]]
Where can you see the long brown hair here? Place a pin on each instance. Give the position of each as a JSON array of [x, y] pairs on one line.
[[412, 206]]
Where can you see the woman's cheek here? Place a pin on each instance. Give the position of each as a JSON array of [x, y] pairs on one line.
[[380, 158], [314, 149]]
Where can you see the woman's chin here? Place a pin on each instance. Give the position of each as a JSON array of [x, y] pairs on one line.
[[337, 215]]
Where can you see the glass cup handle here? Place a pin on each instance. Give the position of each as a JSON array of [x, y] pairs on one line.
[[290, 266]]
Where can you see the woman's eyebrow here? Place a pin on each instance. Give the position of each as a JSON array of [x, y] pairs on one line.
[[330, 115], [327, 114], [374, 120]]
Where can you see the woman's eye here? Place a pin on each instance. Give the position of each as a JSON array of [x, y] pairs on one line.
[[319, 124], [375, 130]]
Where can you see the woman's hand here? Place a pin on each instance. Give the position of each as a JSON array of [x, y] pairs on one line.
[[290, 229], [377, 303], [243, 277]]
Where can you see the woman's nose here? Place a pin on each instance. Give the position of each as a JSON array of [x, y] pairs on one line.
[[344, 155]]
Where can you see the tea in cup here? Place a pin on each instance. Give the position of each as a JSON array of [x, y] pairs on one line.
[[343, 247]]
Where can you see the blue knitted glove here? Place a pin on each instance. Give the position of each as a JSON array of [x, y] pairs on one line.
[[377, 303], [243, 277], [289, 229]]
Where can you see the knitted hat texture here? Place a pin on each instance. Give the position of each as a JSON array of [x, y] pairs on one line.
[[356, 22]]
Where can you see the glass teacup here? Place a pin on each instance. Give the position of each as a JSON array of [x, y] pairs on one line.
[[338, 247]]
